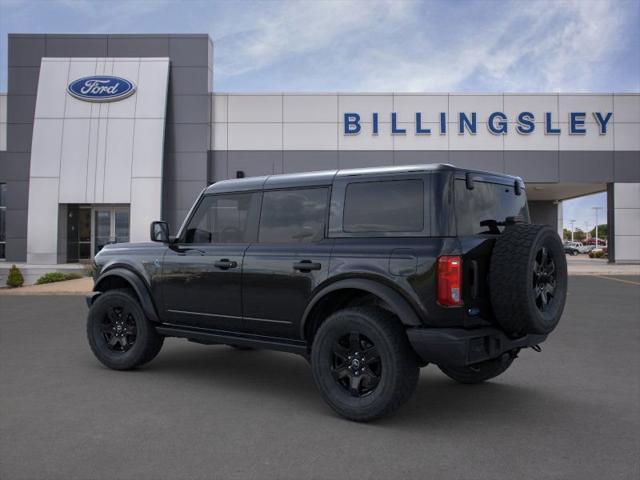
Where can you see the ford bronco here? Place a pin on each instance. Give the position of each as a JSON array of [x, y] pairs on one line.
[[369, 273]]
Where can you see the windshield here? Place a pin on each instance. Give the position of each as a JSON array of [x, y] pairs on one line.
[[487, 201]]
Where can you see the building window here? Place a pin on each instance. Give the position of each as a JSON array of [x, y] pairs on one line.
[[3, 216]]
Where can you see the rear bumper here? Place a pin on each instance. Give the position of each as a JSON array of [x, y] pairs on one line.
[[457, 347]]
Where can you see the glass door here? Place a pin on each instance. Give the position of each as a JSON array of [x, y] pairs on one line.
[[111, 225]]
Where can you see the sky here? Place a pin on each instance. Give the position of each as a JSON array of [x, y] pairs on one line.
[[376, 45]]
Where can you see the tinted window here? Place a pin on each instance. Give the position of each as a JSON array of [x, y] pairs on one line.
[[388, 206], [223, 219], [487, 201], [293, 215]]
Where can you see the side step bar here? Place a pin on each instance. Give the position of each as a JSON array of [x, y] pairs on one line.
[[212, 337]]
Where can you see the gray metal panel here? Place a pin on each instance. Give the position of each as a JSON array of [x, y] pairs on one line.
[[14, 166], [188, 80], [181, 195], [488, 160], [22, 108], [23, 80], [626, 166], [189, 51], [187, 137], [364, 158], [16, 249], [218, 165], [26, 50], [188, 109], [309, 161], [17, 195], [19, 137], [586, 166], [16, 223], [533, 166], [413, 157], [254, 163], [138, 46], [186, 166], [76, 46]]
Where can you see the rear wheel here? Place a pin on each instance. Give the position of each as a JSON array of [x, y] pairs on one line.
[[119, 333], [479, 372], [363, 364]]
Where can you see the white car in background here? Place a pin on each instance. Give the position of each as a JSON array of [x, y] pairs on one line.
[[580, 247]]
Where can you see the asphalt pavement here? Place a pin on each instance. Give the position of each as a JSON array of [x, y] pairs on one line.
[[211, 412]]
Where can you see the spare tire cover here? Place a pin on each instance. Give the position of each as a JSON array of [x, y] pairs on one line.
[[528, 279]]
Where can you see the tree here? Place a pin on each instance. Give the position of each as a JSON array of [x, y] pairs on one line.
[[603, 231]]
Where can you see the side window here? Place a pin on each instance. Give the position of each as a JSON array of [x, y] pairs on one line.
[[384, 206], [290, 216], [227, 218]]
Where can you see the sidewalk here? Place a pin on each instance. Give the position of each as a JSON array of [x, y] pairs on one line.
[[583, 265]]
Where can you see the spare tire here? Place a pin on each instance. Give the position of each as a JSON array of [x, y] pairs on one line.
[[528, 279]]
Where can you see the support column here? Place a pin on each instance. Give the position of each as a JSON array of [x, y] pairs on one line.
[[624, 230]]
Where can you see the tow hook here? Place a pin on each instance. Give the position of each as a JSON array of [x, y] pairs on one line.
[[536, 348]]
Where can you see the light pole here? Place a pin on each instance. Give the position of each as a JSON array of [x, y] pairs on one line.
[[596, 209], [572, 222]]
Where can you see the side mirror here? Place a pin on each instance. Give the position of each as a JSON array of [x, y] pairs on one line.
[[159, 232]]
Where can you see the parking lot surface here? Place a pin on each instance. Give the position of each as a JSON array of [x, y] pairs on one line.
[[570, 412]]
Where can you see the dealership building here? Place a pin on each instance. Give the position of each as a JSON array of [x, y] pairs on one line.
[[101, 134]]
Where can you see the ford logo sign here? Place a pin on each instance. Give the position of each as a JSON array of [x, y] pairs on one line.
[[101, 88]]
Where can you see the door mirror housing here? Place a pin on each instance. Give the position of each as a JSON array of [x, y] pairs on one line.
[[159, 232]]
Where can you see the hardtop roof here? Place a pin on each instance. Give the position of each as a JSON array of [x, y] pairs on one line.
[[326, 177]]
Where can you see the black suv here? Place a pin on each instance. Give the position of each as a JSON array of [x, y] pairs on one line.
[[370, 274]]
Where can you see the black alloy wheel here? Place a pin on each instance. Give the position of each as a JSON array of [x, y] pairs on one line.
[[119, 328], [544, 282], [356, 364], [119, 333]]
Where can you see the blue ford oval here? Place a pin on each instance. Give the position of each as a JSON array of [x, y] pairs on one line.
[[101, 88]]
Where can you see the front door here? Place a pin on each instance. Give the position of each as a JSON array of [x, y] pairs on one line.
[[290, 259], [202, 270], [110, 225]]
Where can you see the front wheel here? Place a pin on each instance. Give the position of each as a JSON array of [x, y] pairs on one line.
[[480, 372], [119, 333], [363, 364]]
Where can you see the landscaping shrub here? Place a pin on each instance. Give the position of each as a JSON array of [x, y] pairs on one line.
[[596, 254], [57, 277], [15, 278]]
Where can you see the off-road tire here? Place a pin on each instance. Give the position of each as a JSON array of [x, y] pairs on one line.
[[147, 342], [514, 280], [479, 372], [398, 363]]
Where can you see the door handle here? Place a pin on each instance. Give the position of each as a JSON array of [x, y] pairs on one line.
[[306, 266], [225, 264]]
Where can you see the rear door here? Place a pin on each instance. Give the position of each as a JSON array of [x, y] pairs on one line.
[[202, 271], [289, 260]]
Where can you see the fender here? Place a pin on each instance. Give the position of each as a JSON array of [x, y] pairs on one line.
[[138, 285], [397, 302]]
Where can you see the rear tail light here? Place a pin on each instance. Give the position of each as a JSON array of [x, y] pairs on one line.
[[449, 280]]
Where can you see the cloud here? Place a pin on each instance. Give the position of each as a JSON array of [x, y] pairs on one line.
[[407, 46]]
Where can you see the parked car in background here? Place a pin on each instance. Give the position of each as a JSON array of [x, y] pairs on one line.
[[571, 249]]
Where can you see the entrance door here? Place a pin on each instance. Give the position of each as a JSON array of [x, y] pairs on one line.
[[111, 225]]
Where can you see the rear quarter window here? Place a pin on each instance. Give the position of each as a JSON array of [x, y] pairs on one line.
[[384, 206]]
